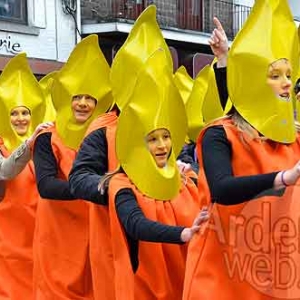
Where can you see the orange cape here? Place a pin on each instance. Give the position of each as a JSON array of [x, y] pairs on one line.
[[249, 250], [61, 244], [161, 266], [17, 224], [99, 230]]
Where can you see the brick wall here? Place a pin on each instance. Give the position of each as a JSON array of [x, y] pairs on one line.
[[166, 12], [97, 9], [185, 14], [106, 9], [222, 10]]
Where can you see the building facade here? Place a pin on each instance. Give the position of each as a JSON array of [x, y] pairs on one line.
[[186, 25], [45, 30], [48, 30]]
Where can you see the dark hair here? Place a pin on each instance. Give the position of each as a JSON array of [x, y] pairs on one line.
[[297, 87]]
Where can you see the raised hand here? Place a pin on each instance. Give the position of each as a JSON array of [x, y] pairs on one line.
[[219, 43]]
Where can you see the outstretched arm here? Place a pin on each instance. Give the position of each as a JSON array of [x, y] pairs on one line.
[[12, 165]]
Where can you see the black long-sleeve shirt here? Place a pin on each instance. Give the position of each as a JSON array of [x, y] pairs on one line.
[[90, 165], [221, 80], [135, 222], [46, 169], [139, 228], [225, 188]]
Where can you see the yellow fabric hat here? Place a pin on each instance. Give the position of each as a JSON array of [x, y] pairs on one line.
[[155, 103], [269, 34], [184, 83], [46, 85], [143, 40], [86, 72], [204, 103], [19, 87]]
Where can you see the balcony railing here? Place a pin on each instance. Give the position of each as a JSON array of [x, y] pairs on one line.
[[195, 15]]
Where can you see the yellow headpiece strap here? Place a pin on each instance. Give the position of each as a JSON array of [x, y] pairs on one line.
[[154, 104], [143, 40], [212, 107], [85, 73], [46, 85], [268, 35], [19, 87], [204, 103], [184, 83]]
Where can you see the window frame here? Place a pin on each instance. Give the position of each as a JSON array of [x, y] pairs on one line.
[[23, 15]]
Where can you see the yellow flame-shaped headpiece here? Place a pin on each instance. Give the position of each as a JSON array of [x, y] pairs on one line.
[[86, 72], [143, 40], [268, 35], [184, 83], [46, 85], [19, 87], [154, 104], [204, 103]]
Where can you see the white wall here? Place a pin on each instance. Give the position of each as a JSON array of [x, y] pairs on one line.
[[294, 5], [245, 2], [50, 34], [295, 8]]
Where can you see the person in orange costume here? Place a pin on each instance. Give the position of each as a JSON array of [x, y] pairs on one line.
[[250, 172], [62, 266], [21, 106], [96, 155], [148, 199]]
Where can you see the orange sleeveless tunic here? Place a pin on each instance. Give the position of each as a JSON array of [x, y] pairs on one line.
[[99, 230], [61, 245], [17, 224], [248, 250], [161, 268]]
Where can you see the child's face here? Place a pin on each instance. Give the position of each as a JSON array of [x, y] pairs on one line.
[[159, 144]]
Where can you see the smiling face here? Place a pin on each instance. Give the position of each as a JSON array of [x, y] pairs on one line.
[[279, 78], [20, 119], [159, 144], [83, 107]]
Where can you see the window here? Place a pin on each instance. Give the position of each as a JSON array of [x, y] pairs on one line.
[[13, 11]]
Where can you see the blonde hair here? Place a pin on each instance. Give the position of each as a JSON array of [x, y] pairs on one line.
[[244, 127], [241, 124]]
